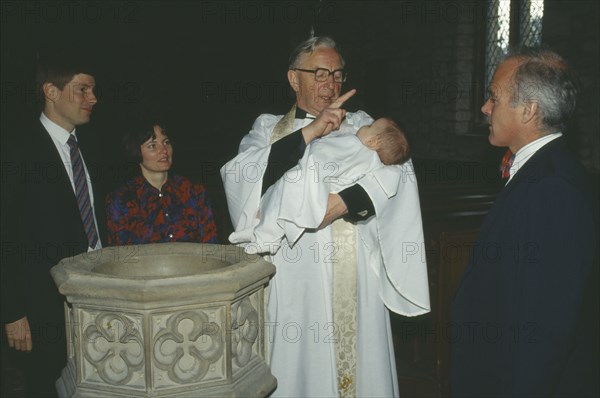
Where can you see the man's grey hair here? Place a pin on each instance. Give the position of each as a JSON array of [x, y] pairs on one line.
[[310, 45], [544, 77]]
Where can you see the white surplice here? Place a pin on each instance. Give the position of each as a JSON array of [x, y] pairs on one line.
[[391, 271]]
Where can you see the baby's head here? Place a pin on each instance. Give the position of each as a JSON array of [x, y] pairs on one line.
[[385, 137]]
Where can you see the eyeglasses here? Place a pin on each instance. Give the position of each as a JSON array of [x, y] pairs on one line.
[[322, 74]]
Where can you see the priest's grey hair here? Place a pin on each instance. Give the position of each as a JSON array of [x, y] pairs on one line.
[[310, 45]]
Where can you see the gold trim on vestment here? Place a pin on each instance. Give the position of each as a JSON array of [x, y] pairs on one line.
[[344, 305], [285, 126], [344, 285]]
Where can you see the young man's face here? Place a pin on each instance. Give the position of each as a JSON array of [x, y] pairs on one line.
[[72, 106], [313, 96]]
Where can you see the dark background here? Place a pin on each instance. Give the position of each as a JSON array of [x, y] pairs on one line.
[[210, 68]]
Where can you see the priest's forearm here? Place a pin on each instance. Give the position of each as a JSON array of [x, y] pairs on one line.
[[358, 203], [336, 208]]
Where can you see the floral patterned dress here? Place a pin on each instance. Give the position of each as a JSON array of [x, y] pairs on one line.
[[138, 213]]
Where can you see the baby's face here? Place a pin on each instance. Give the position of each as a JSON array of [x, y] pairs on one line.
[[368, 134]]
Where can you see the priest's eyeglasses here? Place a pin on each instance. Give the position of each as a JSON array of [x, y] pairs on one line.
[[322, 74]]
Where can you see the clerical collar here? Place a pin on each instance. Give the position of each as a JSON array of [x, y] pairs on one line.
[[302, 114]]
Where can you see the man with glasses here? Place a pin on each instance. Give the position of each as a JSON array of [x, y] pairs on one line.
[[328, 326]]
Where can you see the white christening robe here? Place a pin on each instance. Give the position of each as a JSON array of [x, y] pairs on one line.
[[391, 272], [298, 200]]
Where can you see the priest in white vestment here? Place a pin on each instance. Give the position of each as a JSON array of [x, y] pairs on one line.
[[328, 326]]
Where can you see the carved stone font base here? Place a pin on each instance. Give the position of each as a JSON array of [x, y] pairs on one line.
[[165, 320]]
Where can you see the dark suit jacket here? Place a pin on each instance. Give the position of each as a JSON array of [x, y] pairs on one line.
[[41, 225], [524, 320]]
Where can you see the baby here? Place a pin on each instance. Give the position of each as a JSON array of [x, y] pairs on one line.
[[385, 137], [298, 200]]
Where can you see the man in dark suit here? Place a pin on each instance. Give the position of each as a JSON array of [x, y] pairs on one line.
[[525, 312], [47, 215]]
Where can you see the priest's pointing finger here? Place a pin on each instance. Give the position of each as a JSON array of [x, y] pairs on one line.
[[342, 98]]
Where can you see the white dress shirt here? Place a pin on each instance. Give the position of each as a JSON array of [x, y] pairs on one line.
[[60, 136], [523, 154]]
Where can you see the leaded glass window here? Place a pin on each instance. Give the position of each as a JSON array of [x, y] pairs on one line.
[[502, 30]]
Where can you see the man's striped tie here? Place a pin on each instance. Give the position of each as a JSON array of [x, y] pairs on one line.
[[82, 193]]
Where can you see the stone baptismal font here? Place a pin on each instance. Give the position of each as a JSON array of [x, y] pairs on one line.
[[165, 320]]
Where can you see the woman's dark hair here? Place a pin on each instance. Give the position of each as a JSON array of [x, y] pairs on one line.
[[137, 133]]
